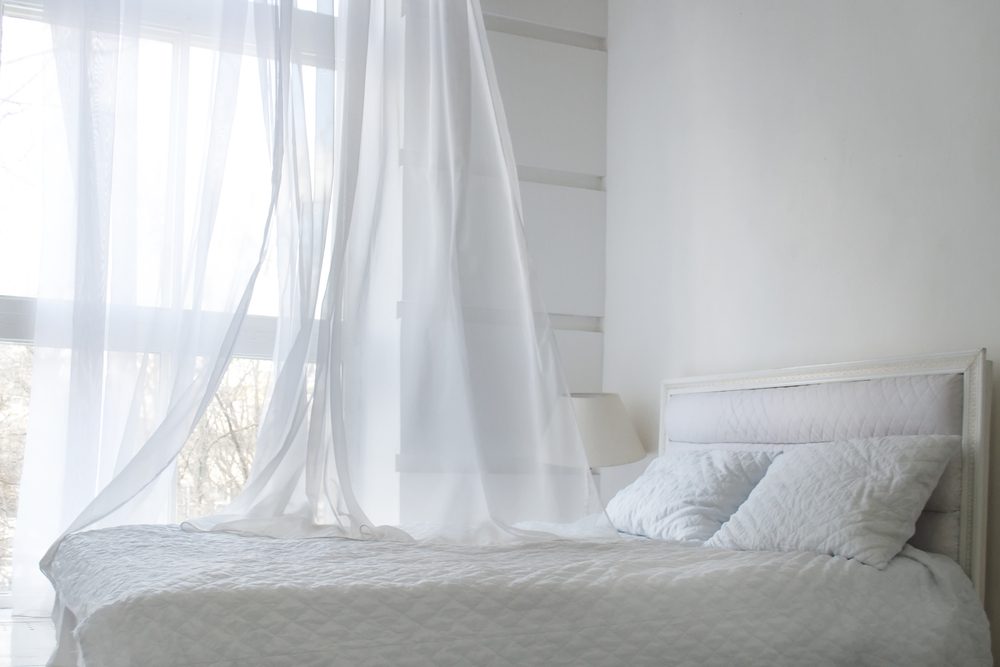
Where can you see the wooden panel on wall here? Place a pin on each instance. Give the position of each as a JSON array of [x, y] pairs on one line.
[[565, 235], [588, 16], [582, 354], [554, 96], [551, 63]]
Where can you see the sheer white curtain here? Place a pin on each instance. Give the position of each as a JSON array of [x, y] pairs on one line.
[[435, 404], [151, 237], [417, 390]]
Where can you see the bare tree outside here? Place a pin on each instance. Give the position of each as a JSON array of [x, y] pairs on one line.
[[210, 470], [15, 389], [214, 465]]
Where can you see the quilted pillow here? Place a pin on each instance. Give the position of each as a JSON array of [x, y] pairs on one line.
[[685, 495], [855, 498]]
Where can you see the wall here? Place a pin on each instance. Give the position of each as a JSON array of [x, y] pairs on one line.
[[800, 181], [551, 64]]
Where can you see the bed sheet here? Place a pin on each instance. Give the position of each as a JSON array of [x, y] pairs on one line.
[[157, 595]]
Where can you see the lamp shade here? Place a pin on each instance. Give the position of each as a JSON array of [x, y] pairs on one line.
[[608, 435]]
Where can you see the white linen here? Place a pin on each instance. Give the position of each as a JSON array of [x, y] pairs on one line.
[[857, 498], [939, 525], [160, 596], [686, 495]]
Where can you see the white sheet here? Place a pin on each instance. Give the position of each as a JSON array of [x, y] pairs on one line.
[[158, 596]]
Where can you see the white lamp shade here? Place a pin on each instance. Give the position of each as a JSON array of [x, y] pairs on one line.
[[608, 435]]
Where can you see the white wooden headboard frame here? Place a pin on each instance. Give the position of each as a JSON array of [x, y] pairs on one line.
[[977, 380]]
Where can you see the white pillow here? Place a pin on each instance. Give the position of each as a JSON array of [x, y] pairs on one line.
[[855, 498], [685, 495]]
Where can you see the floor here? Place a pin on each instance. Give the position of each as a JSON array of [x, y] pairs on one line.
[[24, 642]]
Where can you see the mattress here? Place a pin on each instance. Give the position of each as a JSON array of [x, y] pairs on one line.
[[157, 595]]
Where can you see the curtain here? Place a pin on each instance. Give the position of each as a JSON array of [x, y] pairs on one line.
[[417, 392], [435, 404], [151, 243]]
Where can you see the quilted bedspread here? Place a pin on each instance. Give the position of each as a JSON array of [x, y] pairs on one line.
[[156, 595]]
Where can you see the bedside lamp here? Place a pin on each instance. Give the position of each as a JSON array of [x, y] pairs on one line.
[[607, 432]]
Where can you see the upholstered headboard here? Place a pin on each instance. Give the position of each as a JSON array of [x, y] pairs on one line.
[[939, 394]]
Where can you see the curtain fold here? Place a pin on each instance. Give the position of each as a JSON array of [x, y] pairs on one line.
[[435, 407], [417, 392]]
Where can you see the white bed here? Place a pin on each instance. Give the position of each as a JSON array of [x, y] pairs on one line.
[[944, 394], [161, 596]]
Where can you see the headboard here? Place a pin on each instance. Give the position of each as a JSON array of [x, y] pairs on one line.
[[944, 394]]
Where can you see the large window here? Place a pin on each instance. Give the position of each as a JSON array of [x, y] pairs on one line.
[[174, 69]]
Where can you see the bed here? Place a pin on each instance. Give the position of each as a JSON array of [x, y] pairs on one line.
[[158, 595]]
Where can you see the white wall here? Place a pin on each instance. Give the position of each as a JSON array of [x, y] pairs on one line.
[[551, 64], [800, 181]]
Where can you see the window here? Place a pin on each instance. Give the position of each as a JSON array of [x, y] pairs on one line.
[[174, 68]]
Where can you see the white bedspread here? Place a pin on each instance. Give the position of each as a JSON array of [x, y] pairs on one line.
[[160, 596]]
